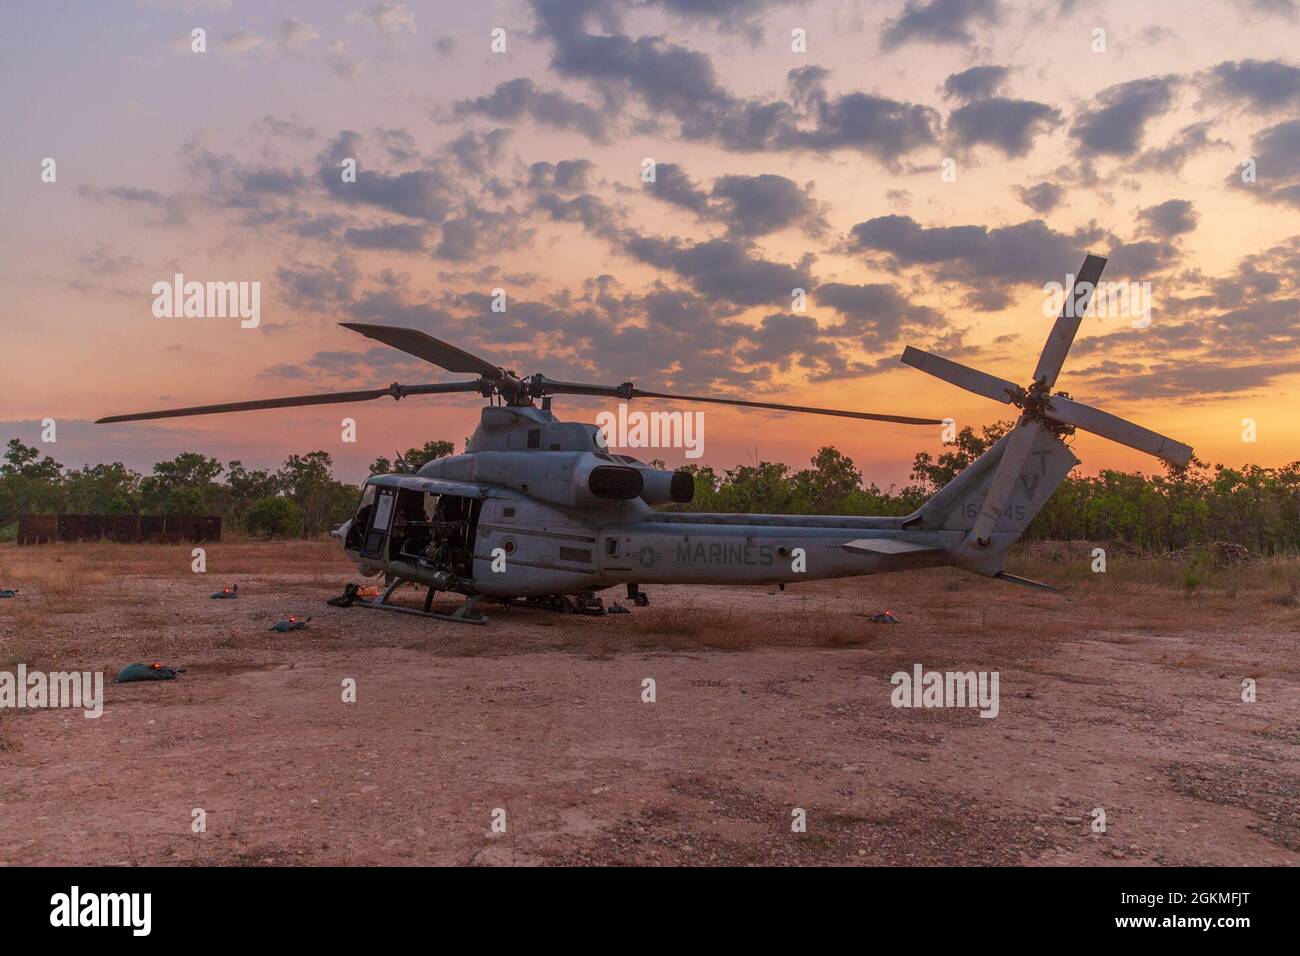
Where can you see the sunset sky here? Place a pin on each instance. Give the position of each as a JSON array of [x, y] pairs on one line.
[[522, 170]]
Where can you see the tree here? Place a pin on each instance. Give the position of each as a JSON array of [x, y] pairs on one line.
[[968, 446], [25, 461], [323, 502], [832, 483], [413, 459], [29, 484], [244, 487], [187, 470], [185, 500], [273, 517], [102, 489]]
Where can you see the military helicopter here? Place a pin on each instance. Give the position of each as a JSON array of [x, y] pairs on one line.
[[538, 510]]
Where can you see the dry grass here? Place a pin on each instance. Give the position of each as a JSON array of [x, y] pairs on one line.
[[65, 565], [683, 627], [62, 585]]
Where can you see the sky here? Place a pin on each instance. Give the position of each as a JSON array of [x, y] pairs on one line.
[[922, 169]]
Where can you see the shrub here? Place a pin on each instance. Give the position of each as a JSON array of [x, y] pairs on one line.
[[273, 516]]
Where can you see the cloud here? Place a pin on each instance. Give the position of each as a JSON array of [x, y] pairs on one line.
[[595, 215], [1007, 125], [339, 63], [757, 205], [477, 230], [293, 34], [1289, 9], [783, 340], [1195, 345], [670, 80], [520, 98], [1117, 125], [1276, 155], [747, 205], [877, 125], [673, 185], [990, 259], [173, 209], [1259, 85], [939, 21], [234, 184], [977, 83], [1042, 197], [392, 20], [241, 41], [473, 151], [730, 16], [1186, 143], [1192, 379], [397, 236], [1169, 219], [876, 313], [427, 194], [728, 268], [566, 176]]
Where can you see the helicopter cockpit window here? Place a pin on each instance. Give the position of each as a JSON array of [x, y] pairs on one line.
[[361, 520]]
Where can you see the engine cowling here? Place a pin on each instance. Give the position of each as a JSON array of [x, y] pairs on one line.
[[665, 487]]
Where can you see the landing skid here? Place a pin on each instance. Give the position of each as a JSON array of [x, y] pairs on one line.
[[467, 613]]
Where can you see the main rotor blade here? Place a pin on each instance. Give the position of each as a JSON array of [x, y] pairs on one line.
[[329, 398], [1066, 410], [973, 380], [867, 416], [628, 391], [1009, 467], [425, 346], [1061, 337]]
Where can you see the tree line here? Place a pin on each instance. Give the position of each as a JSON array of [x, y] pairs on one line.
[[1254, 506], [301, 497]]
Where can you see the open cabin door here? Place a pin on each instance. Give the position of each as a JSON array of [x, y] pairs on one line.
[[375, 543]]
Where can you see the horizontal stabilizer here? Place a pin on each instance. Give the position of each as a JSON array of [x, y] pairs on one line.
[[1026, 582], [884, 546]]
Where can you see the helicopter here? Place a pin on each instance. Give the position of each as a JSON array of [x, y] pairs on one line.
[[539, 511]]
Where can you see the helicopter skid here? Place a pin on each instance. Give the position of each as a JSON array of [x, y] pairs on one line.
[[467, 613], [455, 617]]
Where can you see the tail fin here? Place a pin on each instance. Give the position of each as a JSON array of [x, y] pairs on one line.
[[958, 504]]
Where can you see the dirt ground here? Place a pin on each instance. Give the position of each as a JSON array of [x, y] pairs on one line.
[[1123, 694]]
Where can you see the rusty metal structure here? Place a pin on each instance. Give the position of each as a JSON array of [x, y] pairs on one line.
[[164, 529]]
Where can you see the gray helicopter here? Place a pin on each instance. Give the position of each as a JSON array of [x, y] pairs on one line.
[[539, 510]]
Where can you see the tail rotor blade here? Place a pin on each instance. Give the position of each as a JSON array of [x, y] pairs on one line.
[[1009, 467], [973, 380], [1067, 323], [1117, 429]]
